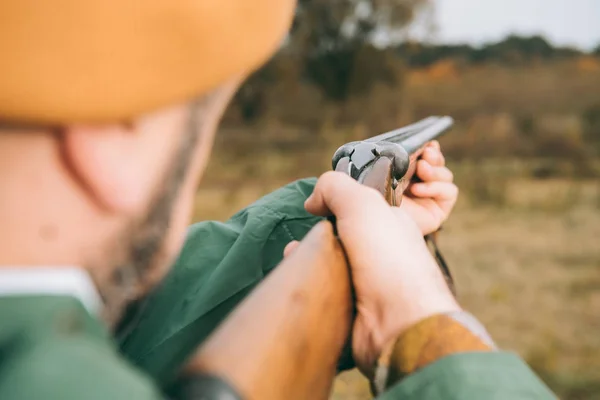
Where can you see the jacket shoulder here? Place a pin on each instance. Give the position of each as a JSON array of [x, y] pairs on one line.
[[56, 351]]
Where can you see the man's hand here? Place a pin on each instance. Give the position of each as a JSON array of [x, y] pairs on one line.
[[430, 202], [397, 282]]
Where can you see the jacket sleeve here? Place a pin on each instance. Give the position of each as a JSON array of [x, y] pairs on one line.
[[471, 376], [220, 264]]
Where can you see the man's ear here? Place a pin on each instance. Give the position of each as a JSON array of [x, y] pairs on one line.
[[120, 166]]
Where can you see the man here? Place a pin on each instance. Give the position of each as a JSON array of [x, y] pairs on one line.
[[108, 111]]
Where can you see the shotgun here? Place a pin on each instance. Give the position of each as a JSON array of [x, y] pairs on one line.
[[290, 336], [387, 163]]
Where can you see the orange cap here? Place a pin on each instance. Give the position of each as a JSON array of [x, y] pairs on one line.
[[94, 61]]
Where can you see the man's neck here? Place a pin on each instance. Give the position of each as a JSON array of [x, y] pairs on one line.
[[45, 218]]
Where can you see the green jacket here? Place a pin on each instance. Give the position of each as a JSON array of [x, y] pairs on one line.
[[52, 347]]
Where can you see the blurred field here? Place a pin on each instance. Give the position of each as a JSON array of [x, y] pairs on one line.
[[523, 242]]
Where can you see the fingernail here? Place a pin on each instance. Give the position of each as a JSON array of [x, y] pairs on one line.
[[308, 199]]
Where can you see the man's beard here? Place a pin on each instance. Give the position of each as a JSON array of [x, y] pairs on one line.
[[143, 254]]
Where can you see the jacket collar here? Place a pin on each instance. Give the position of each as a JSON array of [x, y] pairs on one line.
[[57, 281]]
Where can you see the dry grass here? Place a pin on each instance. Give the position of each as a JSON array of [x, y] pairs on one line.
[[530, 271]]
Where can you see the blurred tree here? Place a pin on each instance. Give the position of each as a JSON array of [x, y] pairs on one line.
[[591, 119], [337, 38], [336, 46], [420, 54], [516, 50], [510, 51], [323, 26]]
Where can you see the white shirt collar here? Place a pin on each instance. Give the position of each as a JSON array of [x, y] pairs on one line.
[[54, 281]]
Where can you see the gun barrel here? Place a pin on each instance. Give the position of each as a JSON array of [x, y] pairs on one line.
[[415, 136], [400, 146]]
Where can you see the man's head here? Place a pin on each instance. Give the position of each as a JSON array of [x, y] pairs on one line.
[[103, 174]]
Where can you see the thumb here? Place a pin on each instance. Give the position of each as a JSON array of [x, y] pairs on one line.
[[337, 193]]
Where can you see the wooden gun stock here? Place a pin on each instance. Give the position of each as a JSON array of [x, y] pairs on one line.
[[283, 341]]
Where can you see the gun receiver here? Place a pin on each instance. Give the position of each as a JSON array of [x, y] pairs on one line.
[[400, 147]]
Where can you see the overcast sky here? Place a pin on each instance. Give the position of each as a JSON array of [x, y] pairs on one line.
[[564, 22]]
